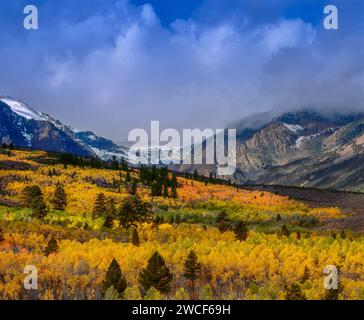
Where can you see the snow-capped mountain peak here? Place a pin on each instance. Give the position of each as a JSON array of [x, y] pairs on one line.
[[25, 127], [22, 109]]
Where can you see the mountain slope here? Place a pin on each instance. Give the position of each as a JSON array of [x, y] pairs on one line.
[[298, 149], [25, 127], [303, 148]]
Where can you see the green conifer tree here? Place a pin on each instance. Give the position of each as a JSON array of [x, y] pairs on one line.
[[52, 247], [241, 231], [284, 231], [132, 211], [114, 277], [192, 269], [306, 275], [223, 221], [135, 238], [134, 188], [156, 275], [2, 237], [294, 292], [35, 200], [59, 199], [99, 206]]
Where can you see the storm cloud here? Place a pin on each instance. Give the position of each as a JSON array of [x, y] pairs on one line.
[[112, 66]]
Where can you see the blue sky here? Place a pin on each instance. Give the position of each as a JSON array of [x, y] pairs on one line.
[[115, 65]]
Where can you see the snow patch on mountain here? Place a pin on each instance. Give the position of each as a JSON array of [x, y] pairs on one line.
[[28, 137], [22, 109], [300, 141], [293, 127], [304, 139]]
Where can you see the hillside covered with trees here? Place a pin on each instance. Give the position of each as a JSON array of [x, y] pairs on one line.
[[97, 230]]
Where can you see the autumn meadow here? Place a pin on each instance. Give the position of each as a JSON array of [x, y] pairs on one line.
[[96, 230]]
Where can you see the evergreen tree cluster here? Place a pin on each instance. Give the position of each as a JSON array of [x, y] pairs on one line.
[[156, 277], [211, 179], [33, 199], [132, 211], [160, 182], [77, 161], [224, 224]]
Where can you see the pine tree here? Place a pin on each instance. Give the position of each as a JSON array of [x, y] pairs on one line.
[[333, 294], [2, 237], [165, 191], [306, 275], [192, 268], [342, 234], [211, 178], [99, 206], [110, 207], [295, 293], [156, 189], [59, 199], [156, 275], [128, 177], [114, 277], [241, 231], [110, 212], [284, 231], [134, 188], [29, 193], [109, 222], [135, 238], [195, 175], [52, 247], [223, 221], [133, 211], [33, 197]]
